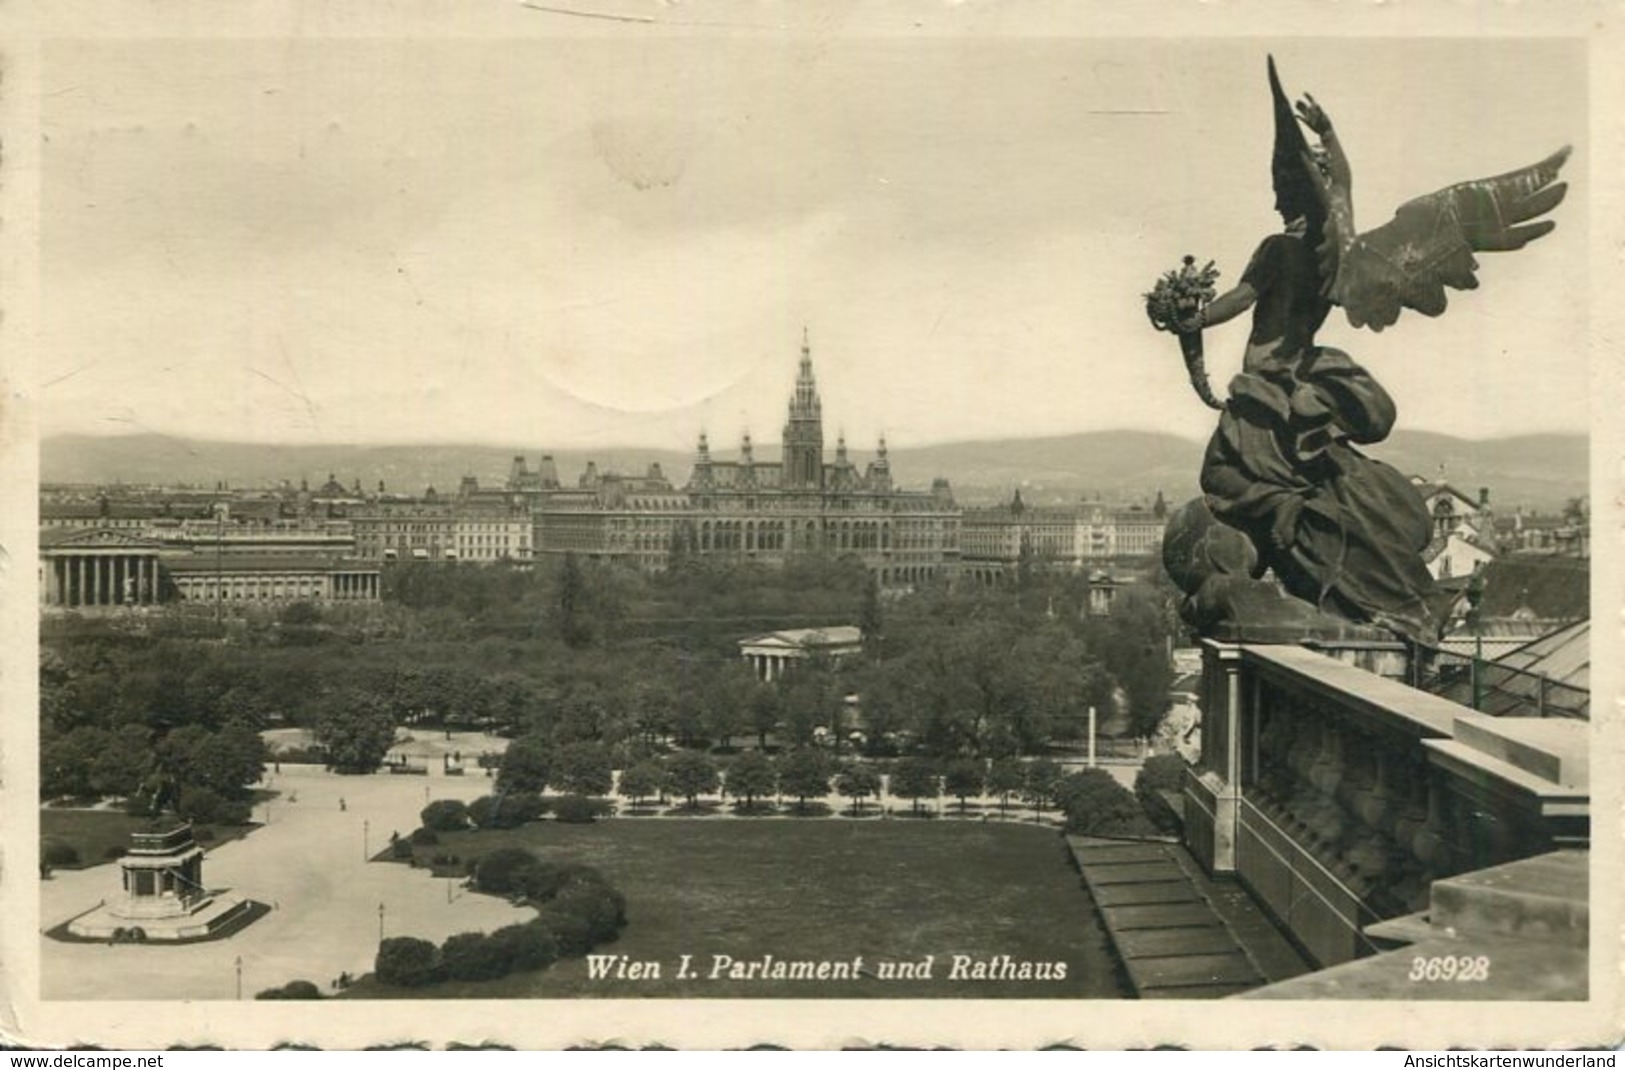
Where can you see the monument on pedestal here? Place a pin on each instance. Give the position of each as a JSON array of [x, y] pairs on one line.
[[164, 898]]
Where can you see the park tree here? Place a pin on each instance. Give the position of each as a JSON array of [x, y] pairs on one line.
[[727, 708], [883, 705], [857, 782], [871, 617], [804, 773], [808, 703], [583, 713], [962, 778], [127, 760], [1059, 675], [229, 761], [527, 765], [583, 769], [751, 777], [176, 752], [644, 780], [915, 778], [575, 626], [653, 706], [68, 760], [1006, 777], [764, 712], [301, 614], [688, 715], [1038, 787], [691, 775], [355, 729], [1134, 643]]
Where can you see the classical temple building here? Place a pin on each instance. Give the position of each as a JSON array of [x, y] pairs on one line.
[[98, 569], [770, 656]]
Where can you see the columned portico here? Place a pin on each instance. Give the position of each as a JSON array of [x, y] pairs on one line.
[[98, 569], [770, 656]]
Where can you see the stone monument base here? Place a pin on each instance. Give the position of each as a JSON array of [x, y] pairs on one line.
[[208, 919]]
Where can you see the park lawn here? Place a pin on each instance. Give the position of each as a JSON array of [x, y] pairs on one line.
[[93, 832], [816, 890]]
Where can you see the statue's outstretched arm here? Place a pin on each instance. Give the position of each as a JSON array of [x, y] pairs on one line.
[[1227, 306]]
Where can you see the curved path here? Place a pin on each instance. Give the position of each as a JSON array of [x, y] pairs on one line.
[[308, 863]]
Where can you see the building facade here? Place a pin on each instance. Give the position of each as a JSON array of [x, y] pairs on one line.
[[1087, 535], [754, 509], [807, 501]]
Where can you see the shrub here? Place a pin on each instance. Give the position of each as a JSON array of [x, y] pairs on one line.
[[596, 903], [571, 933], [530, 946], [424, 837], [474, 957], [546, 879], [113, 851], [1160, 773], [401, 849], [231, 812], [445, 815], [527, 804], [1097, 805], [140, 805], [576, 809], [200, 805], [506, 811], [57, 853], [292, 990], [502, 872], [406, 961]]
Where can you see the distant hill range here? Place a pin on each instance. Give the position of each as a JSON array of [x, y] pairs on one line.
[[1539, 472]]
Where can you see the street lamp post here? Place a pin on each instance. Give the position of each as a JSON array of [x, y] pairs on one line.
[[365, 830], [239, 965], [380, 923], [1475, 598], [219, 564]]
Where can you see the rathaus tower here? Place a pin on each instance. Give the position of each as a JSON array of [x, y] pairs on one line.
[[804, 431]]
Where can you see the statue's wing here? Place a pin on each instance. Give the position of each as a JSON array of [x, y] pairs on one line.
[[1430, 242], [1299, 191]]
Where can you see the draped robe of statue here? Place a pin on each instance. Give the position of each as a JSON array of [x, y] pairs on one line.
[[1340, 530]]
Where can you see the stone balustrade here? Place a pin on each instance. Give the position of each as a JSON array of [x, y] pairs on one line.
[[1339, 797]]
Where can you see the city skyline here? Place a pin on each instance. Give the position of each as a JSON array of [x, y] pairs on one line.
[[617, 244]]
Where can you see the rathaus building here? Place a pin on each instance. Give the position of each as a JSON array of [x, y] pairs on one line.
[[748, 508]]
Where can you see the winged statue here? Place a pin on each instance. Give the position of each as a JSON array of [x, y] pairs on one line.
[[1338, 529]]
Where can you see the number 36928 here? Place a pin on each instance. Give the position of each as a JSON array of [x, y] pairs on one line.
[[1450, 968]]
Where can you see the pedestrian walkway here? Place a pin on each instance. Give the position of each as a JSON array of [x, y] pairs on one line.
[[1177, 934]]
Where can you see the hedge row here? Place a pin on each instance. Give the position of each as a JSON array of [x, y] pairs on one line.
[[578, 909]]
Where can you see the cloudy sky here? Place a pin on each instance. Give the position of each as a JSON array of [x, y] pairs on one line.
[[617, 240]]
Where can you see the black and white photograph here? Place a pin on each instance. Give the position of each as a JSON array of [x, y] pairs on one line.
[[706, 524]]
